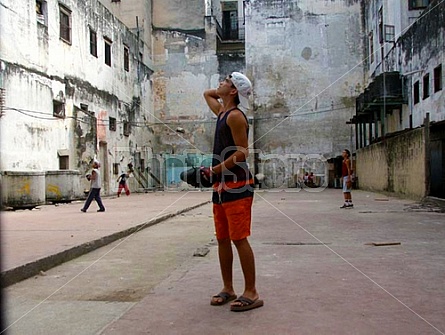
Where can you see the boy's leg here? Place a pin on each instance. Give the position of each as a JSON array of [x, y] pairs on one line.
[[99, 200], [239, 214], [247, 260], [225, 252], [349, 199], [346, 193], [225, 255], [88, 201]]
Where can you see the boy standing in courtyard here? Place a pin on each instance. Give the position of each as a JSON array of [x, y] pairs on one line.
[[233, 189], [346, 174]]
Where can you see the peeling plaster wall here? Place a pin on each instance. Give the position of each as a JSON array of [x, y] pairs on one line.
[[179, 103], [302, 57], [186, 64], [38, 67], [27, 142]]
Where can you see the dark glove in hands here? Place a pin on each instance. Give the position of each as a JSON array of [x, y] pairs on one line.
[[198, 177]]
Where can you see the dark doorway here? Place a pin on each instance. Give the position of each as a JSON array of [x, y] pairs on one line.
[[230, 25], [437, 186]]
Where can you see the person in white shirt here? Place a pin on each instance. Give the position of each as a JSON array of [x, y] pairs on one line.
[[96, 184]]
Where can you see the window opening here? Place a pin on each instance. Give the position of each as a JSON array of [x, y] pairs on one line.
[[418, 4], [390, 34], [426, 86], [42, 12], [381, 25], [107, 44], [112, 123], [93, 42], [230, 25], [65, 24], [115, 168], [58, 109], [126, 128], [416, 92], [126, 58], [64, 162], [438, 78]]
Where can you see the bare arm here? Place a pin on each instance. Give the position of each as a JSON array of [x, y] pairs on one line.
[[212, 100], [238, 127]]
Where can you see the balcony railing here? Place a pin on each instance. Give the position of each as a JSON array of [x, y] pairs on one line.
[[233, 32], [386, 89]]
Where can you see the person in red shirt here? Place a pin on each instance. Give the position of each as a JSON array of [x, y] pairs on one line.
[[122, 180], [346, 174]]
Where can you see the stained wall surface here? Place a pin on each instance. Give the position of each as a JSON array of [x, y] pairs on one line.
[[304, 59]]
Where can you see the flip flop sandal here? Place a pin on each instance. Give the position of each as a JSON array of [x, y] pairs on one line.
[[226, 297], [246, 304]]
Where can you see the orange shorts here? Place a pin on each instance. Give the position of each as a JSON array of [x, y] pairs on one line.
[[233, 219]]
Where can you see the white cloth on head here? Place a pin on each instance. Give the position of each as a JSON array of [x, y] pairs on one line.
[[244, 88]]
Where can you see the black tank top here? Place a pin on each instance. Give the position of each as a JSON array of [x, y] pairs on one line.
[[224, 146]]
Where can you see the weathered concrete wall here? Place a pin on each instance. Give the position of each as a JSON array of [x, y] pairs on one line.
[[186, 64], [63, 185], [38, 68], [228, 63], [186, 71], [178, 14], [21, 189], [302, 57], [395, 165], [136, 15]]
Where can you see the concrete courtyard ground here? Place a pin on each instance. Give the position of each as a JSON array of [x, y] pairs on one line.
[[376, 269]]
